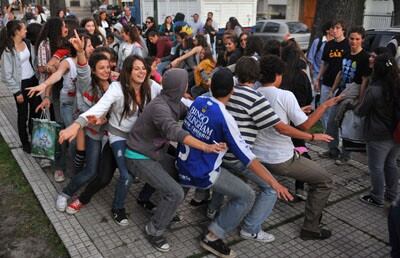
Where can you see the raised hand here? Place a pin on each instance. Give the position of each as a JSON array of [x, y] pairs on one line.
[[77, 43], [37, 90]]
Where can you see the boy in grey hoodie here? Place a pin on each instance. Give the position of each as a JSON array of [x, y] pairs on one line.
[[147, 156]]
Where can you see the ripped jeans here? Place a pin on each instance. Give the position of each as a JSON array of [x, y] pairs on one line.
[[125, 179]]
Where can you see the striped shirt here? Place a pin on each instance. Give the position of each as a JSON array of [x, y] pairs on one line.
[[252, 112]]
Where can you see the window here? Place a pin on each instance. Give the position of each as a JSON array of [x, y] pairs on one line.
[[259, 26], [271, 27], [277, 11], [297, 27]]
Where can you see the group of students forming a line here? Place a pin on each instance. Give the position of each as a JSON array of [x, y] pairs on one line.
[[243, 126]]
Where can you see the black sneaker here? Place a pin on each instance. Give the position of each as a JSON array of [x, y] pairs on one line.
[[217, 247], [311, 235], [158, 242], [147, 205], [369, 200], [120, 217]]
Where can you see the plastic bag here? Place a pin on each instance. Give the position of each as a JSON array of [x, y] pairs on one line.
[[44, 137]]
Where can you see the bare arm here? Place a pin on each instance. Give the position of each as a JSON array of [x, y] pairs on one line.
[[338, 78], [364, 84], [314, 117], [266, 176], [292, 132]]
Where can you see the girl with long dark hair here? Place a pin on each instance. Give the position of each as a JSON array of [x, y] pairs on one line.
[[96, 33], [18, 73], [379, 105], [132, 44], [123, 101]]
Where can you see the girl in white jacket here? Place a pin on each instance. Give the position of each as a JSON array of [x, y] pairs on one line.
[[123, 101]]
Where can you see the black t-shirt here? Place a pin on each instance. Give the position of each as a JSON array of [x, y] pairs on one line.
[[354, 67], [333, 54]]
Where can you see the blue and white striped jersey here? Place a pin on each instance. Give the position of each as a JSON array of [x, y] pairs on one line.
[[209, 121]]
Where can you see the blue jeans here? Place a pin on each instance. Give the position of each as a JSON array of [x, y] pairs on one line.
[[93, 149], [382, 156], [125, 179], [394, 228], [241, 199], [324, 97], [66, 111], [264, 202]]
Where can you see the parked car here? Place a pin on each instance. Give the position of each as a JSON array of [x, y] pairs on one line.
[[278, 29], [379, 38]]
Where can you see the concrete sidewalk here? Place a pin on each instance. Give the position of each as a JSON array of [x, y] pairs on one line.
[[359, 230]]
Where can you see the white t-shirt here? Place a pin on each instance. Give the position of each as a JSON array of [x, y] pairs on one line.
[[26, 67], [270, 146]]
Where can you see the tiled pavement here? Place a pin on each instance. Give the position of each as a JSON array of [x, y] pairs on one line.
[[358, 230]]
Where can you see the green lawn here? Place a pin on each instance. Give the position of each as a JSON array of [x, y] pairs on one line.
[[24, 227]]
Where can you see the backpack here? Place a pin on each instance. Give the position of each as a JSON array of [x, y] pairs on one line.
[[318, 46]]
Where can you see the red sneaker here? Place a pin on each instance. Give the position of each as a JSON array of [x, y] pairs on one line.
[[74, 207]]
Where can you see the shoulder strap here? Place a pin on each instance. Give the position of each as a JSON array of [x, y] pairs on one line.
[[318, 46]]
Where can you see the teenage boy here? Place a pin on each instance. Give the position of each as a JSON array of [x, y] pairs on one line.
[[253, 114], [352, 80], [277, 153], [332, 57], [209, 121]]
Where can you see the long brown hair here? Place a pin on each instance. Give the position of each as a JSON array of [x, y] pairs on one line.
[[130, 103]]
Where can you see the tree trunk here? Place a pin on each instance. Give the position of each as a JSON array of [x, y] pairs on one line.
[[350, 11], [56, 5], [396, 10]]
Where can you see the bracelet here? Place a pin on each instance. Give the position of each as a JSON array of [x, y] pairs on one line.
[[312, 137]]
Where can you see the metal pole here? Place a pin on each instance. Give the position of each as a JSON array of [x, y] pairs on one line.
[[155, 6]]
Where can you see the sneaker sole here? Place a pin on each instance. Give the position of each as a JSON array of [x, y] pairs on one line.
[[258, 240], [370, 203], [59, 180], [121, 224], [71, 211], [160, 249], [211, 250]]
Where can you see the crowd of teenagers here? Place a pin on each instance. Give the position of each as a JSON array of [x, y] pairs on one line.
[[121, 93]]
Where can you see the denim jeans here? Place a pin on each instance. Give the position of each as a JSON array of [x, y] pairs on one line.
[[107, 167], [264, 202], [241, 199], [93, 149], [161, 175], [324, 97], [394, 228], [125, 179], [382, 156], [66, 111], [319, 181], [333, 130]]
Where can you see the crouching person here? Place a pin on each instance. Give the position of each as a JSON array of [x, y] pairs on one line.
[[209, 121], [147, 147]]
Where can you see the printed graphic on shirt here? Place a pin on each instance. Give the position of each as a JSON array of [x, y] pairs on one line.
[[349, 68], [336, 53]]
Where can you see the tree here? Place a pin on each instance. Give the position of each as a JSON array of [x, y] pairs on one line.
[[56, 5], [350, 11]]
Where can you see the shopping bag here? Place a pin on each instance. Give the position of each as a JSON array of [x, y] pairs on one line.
[[352, 132], [44, 137]]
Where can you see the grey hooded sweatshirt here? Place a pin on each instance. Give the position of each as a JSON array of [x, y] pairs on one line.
[[158, 124]]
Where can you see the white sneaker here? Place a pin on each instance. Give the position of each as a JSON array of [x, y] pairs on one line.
[[61, 203], [261, 236], [59, 176]]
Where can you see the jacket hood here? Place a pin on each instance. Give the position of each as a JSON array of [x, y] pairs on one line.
[[174, 83]]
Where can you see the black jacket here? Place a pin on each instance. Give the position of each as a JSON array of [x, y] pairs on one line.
[[380, 121]]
